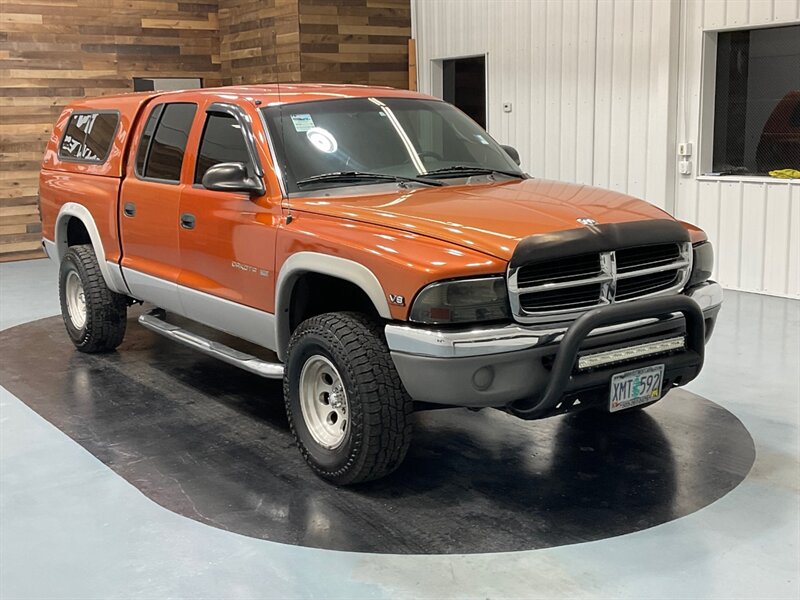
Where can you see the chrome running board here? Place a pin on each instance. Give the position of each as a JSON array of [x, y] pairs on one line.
[[247, 362]]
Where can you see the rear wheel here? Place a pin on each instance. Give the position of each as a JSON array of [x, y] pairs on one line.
[[95, 317], [348, 410]]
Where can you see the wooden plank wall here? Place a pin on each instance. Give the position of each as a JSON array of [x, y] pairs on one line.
[[319, 41], [259, 41], [355, 41], [52, 51]]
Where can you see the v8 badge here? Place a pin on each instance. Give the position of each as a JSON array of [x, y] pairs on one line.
[[398, 300]]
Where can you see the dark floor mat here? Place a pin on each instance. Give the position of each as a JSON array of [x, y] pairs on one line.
[[211, 442]]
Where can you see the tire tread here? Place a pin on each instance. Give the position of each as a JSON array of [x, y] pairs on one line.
[[106, 317], [386, 409]]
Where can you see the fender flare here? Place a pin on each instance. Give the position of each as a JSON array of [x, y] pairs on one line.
[[314, 262], [111, 272]]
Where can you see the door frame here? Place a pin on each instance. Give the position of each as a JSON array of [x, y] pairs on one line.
[[437, 79]]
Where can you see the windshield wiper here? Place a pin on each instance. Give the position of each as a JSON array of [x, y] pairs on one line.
[[361, 175], [467, 170]]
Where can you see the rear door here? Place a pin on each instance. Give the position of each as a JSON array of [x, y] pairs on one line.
[[150, 203]]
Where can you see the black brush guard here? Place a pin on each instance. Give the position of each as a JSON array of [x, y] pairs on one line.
[[684, 365]]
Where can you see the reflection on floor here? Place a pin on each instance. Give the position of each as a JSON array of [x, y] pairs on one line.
[[71, 527]]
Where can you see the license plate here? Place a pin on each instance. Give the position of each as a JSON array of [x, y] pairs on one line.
[[633, 388]]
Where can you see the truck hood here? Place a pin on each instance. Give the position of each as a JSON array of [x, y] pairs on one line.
[[488, 217]]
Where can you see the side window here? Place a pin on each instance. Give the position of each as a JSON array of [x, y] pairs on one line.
[[88, 137], [165, 145], [222, 141], [147, 135]]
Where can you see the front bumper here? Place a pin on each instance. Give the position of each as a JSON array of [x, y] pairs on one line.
[[531, 371]]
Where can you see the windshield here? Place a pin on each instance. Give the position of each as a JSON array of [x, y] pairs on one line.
[[390, 136]]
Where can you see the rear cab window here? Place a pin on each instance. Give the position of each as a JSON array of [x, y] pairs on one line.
[[88, 136], [162, 145]]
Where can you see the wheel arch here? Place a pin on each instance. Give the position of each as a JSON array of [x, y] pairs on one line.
[[303, 263], [73, 210]]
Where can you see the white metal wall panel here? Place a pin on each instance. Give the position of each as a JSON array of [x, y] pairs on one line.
[[635, 98], [755, 228], [589, 82], [602, 92], [753, 222], [540, 57]]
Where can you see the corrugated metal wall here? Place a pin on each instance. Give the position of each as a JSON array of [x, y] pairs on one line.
[[540, 57], [633, 147], [583, 77], [602, 92], [754, 222]]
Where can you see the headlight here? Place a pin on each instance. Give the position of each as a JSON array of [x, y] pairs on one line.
[[462, 301], [702, 263]]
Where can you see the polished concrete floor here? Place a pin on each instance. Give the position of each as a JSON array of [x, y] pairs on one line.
[[73, 526]]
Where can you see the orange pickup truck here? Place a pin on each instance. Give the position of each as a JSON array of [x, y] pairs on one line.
[[380, 247]]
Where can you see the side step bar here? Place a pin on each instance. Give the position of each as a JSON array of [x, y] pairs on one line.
[[270, 370]]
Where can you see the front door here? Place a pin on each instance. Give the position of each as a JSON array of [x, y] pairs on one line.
[[150, 202], [227, 239]]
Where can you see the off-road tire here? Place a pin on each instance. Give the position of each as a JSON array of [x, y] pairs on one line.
[[379, 407], [106, 311]]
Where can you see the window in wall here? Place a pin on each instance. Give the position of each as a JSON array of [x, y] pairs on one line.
[[88, 136], [165, 155], [757, 101], [222, 142]]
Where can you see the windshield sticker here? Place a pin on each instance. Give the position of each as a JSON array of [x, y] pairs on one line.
[[481, 139], [302, 122], [322, 139]]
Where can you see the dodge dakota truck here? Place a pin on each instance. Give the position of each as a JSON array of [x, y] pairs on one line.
[[382, 249]]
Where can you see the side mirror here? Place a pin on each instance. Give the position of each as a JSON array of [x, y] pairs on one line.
[[512, 153], [232, 177]]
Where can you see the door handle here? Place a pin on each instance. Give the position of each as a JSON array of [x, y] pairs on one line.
[[187, 221], [129, 209]]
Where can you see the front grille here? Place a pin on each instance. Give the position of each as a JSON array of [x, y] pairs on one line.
[[582, 296], [571, 268], [645, 284], [558, 290], [644, 257]]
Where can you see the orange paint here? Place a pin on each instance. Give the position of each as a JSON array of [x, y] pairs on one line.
[[407, 238]]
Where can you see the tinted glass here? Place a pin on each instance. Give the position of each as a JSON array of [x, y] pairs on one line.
[[89, 136], [757, 99], [147, 135], [391, 136], [165, 157], [222, 142]]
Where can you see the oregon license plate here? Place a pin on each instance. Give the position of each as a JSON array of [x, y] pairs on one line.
[[633, 388]]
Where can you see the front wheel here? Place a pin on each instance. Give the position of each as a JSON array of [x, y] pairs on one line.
[[95, 317], [348, 410]]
